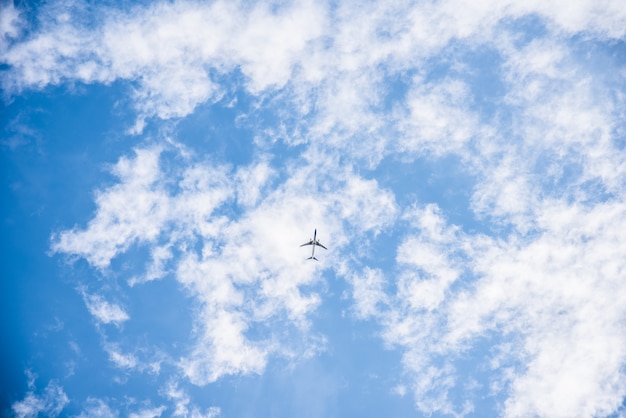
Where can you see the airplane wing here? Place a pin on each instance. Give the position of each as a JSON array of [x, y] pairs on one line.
[[320, 245], [307, 243]]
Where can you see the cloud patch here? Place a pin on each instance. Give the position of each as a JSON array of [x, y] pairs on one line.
[[535, 279], [556, 298], [103, 311], [239, 287], [172, 52], [49, 403]]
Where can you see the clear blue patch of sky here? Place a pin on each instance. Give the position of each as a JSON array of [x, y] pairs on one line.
[[129, 261], [97, 376], [212, 130], [484, 79], [30, 294], [53, 322], [396, 87], [69, 146], [356, 356], [55, 147]]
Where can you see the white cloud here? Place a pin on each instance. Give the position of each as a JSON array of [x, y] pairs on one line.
[[183, 405], [245, 273], [135, 210], [176, 53], [222, 347], [429, 261], [369, 293], [157, 268], [169, 50], [97, 408], [568, 286], [101, 408], [506, 192], [250, 182], [50, 403], [104, 311], [120, 359], [250, 276], [140, 208], [9, 25], [605, 18], [558, 293], [148, 412], [437, 118], [399, 390], [547, 164]]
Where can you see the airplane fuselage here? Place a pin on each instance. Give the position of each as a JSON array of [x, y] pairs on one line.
[[313, 243]]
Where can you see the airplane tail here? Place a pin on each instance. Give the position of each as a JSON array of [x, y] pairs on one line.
[[313, 258]]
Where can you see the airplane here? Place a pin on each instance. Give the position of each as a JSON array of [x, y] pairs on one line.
[[313, 242]]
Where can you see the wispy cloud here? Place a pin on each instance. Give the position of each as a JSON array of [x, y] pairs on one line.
[[148, 412], [49, 403], [95, 407], [10, 24], [121, 360], [105, 312], [183, 405]]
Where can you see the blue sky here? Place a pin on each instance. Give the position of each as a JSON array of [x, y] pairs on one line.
[[464, 164]]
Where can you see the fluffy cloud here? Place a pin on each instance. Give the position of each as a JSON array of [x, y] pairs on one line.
[[177, 55], [139, 208], [558, 295], [135, 210], [244, 273], [173, 52], [362, 83]]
